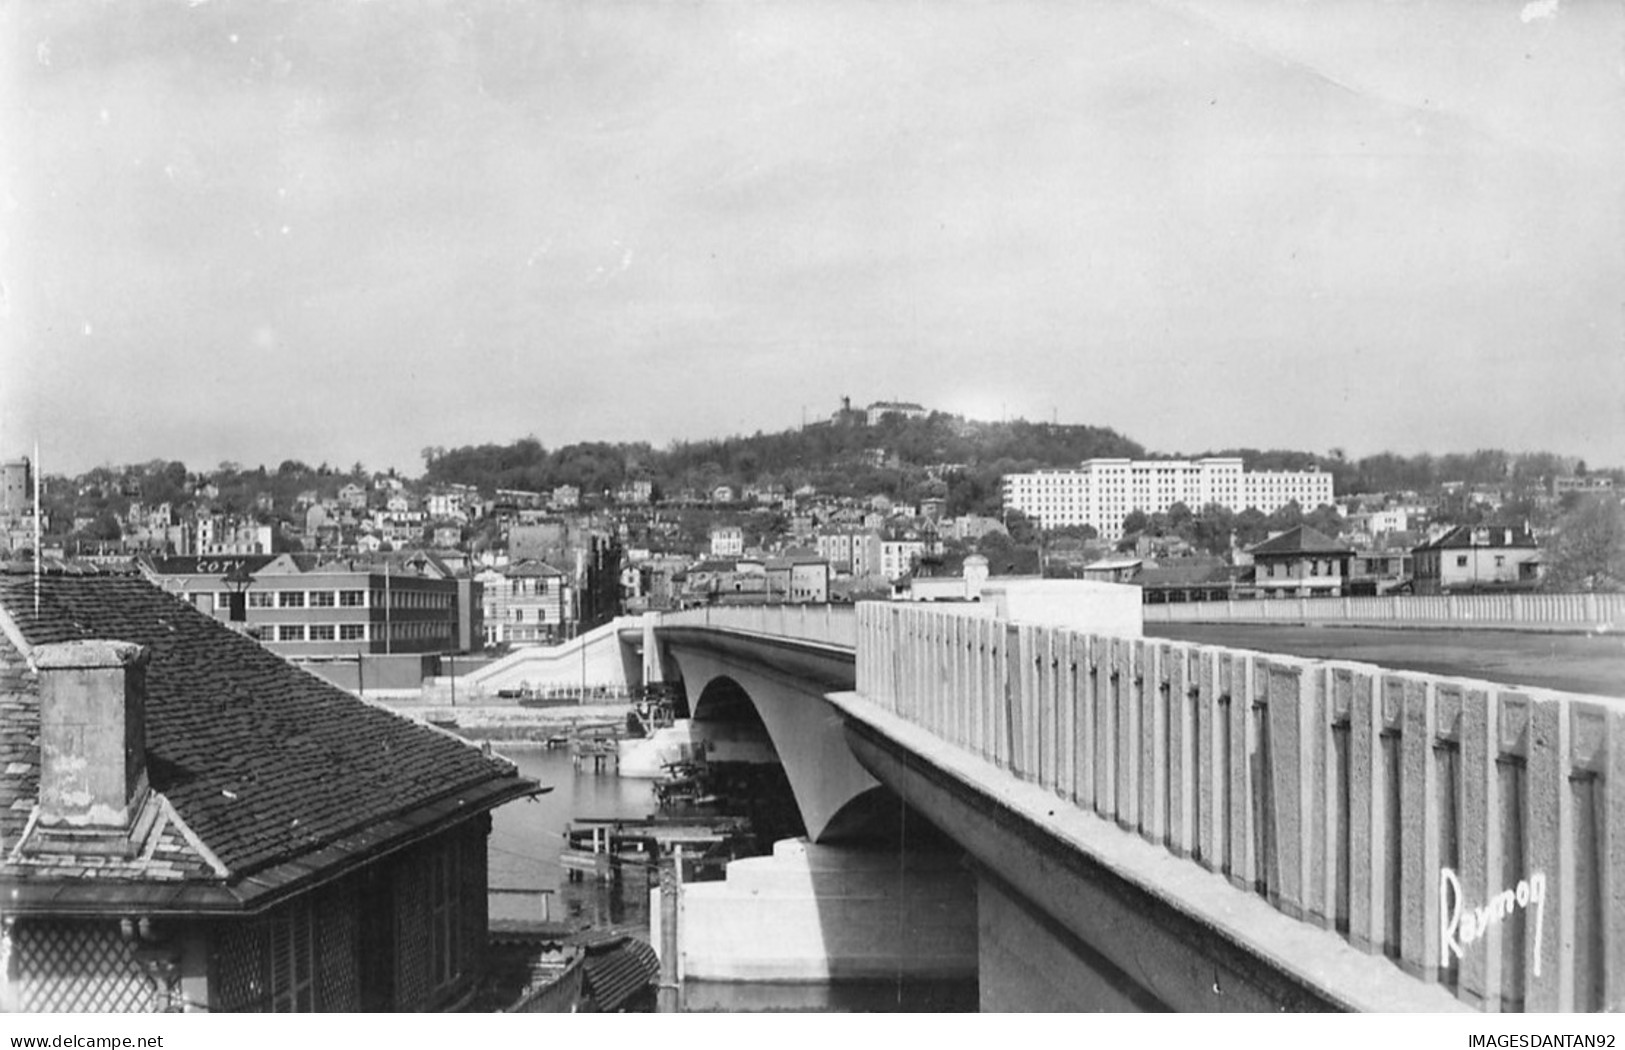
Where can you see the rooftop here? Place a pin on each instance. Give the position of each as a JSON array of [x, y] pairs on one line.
[[271, 776], [1300, 539]]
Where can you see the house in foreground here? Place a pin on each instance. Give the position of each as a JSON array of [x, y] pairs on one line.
[[1477, 558], [1300, 563], [189, 822]]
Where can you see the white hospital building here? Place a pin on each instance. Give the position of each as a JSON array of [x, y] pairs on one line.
[[1101, 492]]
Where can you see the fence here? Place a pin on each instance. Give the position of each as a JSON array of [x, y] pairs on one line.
[[1512, 611], [1474, 834]]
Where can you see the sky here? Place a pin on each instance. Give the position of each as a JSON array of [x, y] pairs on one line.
[[347, 231]]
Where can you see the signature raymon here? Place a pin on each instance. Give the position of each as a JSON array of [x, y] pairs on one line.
[[1460, 925]]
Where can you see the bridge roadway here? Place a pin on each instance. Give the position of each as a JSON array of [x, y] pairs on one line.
[[1142, 841], [1574, 663]]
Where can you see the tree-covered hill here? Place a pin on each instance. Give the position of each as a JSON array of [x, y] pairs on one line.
[[904, 458], [941, 454]]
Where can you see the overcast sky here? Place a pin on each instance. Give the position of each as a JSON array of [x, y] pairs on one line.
[[345, 231]]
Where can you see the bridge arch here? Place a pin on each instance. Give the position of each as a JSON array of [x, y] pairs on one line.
[[838, 799]]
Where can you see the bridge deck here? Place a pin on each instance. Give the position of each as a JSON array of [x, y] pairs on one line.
[[1574, 663]]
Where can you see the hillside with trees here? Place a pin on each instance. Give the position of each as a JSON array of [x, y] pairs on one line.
[[940, 455]]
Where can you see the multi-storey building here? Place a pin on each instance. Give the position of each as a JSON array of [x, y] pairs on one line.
[[16, 493], [331, 611], [226, 535], [1101, 492], [727, 541], [526, 603], [851, 551], [797, 577], [635, 491], [881, 409], [1585, 484], [897, 557]]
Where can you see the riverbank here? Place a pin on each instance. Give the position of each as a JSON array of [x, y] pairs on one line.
[[510, 724]]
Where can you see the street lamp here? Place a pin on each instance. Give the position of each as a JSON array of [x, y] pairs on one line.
[[238, 580]]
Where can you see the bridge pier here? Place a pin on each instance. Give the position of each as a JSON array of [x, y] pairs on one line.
[[832, 913], [1028, 963]]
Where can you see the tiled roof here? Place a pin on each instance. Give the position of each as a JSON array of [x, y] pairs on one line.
[[1466, 536], [265, 763], [1192, 573], [617, 969], [530, 567], [1300, 539]]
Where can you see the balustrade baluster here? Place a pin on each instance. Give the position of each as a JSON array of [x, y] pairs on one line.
[[1066, 715], [1085, 759], [1290, 705], [1368, 815], [1479, 971], [1609, 803], [1154, 755], [1212, 764], [1549, 842], [1419, 820], [1105, 729]]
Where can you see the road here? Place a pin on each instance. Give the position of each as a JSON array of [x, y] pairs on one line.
[[1574, 663]]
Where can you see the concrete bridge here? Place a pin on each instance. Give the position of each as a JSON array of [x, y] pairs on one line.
[[1164, 825]]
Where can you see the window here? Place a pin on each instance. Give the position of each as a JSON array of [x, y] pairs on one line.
[[1461, 561], [352, 599], [321, 599], [290, 632], [445, 930], [293, 961], [1500, 561], [259, 599], [322, 632], [353, 632], [290, 599]]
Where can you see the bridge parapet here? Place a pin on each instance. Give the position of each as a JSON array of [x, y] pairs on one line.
[[832, 625], [1473, 833]]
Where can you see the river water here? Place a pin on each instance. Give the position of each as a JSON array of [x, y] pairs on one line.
[[526, 839]]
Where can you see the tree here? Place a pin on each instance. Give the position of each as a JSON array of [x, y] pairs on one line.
[[1213, 528], [1023, 530], [1586, 551], [1324, 519], [1252, 527], [1287, 517], [1135, 521]]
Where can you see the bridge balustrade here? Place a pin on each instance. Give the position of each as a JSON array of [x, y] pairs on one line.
[[1471, 832]]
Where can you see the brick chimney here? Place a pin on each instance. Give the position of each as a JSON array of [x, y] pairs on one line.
[[93, 787]]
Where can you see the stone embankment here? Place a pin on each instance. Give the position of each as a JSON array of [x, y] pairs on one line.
[[509, 723]]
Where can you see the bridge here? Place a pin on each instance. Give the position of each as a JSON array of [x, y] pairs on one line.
[[1158, 824]]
